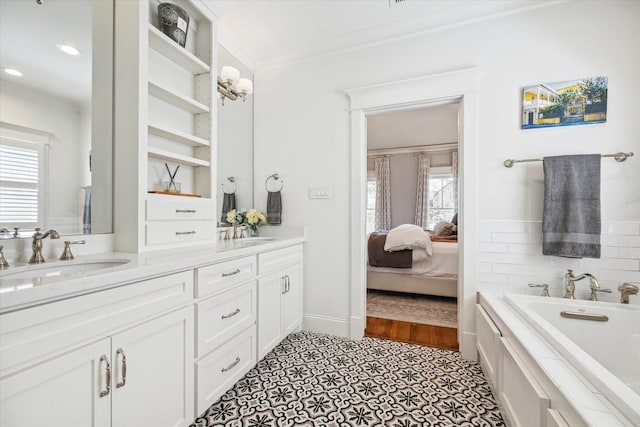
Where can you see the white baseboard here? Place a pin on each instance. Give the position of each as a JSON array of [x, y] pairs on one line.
[[357, 328], [326, 325]]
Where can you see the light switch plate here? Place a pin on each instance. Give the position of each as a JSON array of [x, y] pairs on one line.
[[320, 192]]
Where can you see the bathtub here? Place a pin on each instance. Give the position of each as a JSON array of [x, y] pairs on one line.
[[605, 352]]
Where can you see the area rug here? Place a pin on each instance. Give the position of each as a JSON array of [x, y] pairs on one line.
[[425, 309], [313, 379]]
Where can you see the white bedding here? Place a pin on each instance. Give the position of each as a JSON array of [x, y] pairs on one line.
[[443, 262]]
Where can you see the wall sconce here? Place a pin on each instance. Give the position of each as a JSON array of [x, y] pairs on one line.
[[232, 86]]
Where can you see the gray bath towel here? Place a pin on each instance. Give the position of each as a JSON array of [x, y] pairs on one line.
[[228, 204], [86, 214], [571, 218], [274, 207]]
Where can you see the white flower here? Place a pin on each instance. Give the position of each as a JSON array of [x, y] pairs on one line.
[[231, 216]]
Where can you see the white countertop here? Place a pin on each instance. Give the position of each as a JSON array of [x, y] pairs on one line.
[[17, 294]]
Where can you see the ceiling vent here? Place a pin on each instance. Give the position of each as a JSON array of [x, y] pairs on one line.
[[394, 3]]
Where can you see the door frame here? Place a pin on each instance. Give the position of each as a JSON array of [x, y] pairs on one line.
[[429, 90]]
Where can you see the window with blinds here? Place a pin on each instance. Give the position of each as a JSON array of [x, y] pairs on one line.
[[19, 176]]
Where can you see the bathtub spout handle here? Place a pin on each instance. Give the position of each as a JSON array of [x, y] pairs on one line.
[[544, 286], [625, 290]]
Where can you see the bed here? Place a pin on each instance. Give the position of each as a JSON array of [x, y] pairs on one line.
[[435, 274]]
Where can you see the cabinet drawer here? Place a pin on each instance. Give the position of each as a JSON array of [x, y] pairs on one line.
[[34, 334], [187, 209], [219, 277], [279, 259], [161, 232], [217, 372], [223, 316]]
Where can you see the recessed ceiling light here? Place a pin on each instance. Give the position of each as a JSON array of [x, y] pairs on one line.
[[68, 49], [13, 72]]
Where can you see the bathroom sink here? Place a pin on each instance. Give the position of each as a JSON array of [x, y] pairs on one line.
[[257, 239], [61, 269]]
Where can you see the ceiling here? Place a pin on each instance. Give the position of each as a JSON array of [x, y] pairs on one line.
[[28, 36], [279, 31], [415, 127]]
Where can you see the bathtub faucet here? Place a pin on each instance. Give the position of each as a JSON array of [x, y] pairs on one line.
[[570, 285]]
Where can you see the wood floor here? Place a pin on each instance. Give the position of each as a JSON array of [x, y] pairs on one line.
[[410, 332]]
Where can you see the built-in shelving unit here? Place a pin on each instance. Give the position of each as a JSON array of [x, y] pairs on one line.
[[165, 115]]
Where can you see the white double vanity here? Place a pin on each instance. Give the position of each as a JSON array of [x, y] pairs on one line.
[[153, 341]]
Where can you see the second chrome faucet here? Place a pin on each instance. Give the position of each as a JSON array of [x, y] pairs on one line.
[[570, 285]]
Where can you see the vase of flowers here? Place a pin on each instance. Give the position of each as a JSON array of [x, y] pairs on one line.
[[235, 218], [254, 219]]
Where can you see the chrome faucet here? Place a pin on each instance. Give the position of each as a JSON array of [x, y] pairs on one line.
[[570, 285], [625, 290], [36, 245]]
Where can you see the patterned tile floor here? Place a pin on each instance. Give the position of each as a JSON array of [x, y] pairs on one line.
[[320, 380]]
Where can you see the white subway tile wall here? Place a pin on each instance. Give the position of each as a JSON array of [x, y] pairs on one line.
[[510, 257]]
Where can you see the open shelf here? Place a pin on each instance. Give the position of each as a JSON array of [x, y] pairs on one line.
[[188, 104], [176, 53], [161, 154], [178, 136]]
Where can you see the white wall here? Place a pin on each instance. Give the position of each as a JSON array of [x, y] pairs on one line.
[[302, 125]]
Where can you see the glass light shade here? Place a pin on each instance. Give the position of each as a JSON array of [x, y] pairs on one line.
[[229, 73], [244, 86]]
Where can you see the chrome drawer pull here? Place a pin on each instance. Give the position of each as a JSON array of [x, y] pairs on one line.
[[226, 316], [185, 211], [233, 365], [179, 233], [107, 389], [233, 273], [124, 368]]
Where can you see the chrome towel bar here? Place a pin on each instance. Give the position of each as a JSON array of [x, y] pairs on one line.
[[620, 157]]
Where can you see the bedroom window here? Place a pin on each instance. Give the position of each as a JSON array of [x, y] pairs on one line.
[[372, 184], [442, 205]]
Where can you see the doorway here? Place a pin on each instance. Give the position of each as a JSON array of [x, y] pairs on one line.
[[459, 85], [411, 294]]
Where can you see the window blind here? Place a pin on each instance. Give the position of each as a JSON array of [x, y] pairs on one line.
[[18, 184]]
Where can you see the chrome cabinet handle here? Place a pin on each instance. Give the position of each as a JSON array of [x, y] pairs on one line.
[[226, 316], [124, 368], [288, 283], [107, 389], [234, 272], [180, 233], [185, 211], [233, 365]]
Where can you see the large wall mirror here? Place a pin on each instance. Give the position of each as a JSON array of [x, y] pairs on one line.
[[235, 142], [56, 116]]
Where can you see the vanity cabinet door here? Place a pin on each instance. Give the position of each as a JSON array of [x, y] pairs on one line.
[[292, 300], [153, 382], [270, 290], [61, 392]]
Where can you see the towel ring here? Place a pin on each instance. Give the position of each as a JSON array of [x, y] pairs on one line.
[[274, 177], [232, 180]]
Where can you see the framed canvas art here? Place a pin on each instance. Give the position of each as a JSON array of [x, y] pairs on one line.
[[568, 103]]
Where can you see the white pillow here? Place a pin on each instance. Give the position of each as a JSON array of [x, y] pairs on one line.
[[408, 236]]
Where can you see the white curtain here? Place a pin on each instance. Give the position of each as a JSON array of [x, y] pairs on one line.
[[454, 171], [383, 193], [422, 193]]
